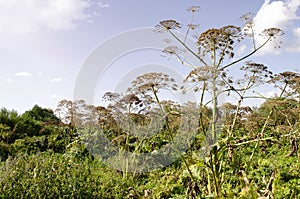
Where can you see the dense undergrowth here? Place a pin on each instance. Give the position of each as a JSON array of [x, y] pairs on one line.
[[44, 159]]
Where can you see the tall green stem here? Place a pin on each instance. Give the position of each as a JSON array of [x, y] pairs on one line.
[[214, 109], [201, 106]]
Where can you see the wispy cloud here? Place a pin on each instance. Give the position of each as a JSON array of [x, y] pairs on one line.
[[23, 74], [278, 14], [56, 80], [21, 16], [8, 79], [103, 5], [241, 50], [54, 96]]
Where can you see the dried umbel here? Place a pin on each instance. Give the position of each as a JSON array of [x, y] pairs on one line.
[[295, 84], [111, 96], [131, 99], [204, 75], [105, 116], [152, 82], [168, 25], [248, 21], [287, 79], [193, 26], [171, 105], [172, 50], [193, 9], [256, 72], [175, 52], [254, 67], [229, 109], [247, 18], [272, 32], [219, 41]]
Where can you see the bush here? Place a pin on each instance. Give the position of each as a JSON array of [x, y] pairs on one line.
[[49, 175]]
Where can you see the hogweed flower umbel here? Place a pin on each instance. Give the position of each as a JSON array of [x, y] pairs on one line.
[[220, 40], [168, 25]]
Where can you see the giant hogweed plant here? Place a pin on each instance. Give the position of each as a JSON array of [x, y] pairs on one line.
[[216, 54]]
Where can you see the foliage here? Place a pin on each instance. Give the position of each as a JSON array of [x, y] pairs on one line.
[[41, 114], [36, 130], [48, 175]]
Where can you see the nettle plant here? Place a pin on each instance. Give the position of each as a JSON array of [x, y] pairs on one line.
[[216, 54]]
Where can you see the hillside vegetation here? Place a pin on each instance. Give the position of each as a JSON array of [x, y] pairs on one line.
[[143, 146]]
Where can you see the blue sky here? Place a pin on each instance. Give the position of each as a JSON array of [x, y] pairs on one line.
[[43, 44]]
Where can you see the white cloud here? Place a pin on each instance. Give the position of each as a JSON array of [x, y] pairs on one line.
[[56, 80], [278, 14], [25, 16], [23, 74]]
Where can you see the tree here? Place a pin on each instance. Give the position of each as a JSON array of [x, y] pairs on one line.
[[41, 114], [8, 118]]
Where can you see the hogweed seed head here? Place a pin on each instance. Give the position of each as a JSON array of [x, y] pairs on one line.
[[168, 25], [220, 40], [152, 82], [171, 50], [272, 32], [193, 9], [193, 26], [247, 18]]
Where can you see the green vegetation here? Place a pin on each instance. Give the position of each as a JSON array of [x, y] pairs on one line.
[[215, 150], [45, 159]]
